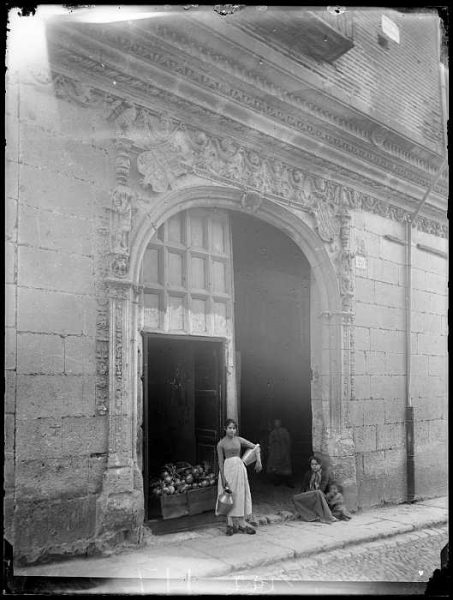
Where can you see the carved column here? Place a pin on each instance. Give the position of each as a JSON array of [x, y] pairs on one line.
[[339, 443], [120, 505]]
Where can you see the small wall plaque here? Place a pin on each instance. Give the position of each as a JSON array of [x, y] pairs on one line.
[[390, 29], [360, 262]]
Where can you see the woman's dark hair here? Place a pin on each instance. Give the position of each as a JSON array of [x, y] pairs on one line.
[[331, 483], [229, 422], [316, 458]]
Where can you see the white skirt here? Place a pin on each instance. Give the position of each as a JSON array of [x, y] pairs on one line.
[[236, 476]]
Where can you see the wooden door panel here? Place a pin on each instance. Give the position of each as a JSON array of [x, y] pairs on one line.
[[186, 268]]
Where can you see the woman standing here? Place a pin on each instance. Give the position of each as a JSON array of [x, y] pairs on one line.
[[279, 462], [311, 504], [233, 475]]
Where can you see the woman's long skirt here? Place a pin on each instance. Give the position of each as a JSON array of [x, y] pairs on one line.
[[312, 506], [236, 476]]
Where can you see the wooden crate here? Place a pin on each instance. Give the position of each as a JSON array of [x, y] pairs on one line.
[[174, 506], [202, 499]]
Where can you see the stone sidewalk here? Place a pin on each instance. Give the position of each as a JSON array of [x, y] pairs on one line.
[[193, 558]]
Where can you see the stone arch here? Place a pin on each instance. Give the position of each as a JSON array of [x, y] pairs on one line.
[[230, 198], [331, 437]]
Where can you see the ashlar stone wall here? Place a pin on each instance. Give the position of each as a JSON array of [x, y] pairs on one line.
[[377, 410], [58, 176]]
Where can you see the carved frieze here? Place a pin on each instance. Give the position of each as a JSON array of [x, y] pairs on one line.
[[159, 50]]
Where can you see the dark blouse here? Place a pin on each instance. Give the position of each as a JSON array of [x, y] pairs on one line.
[[325, 480]]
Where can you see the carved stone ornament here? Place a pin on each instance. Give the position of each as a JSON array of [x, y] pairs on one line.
[[120, 265], [327, 225], [251, 201]]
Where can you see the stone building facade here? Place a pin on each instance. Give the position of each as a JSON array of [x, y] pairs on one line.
[[144, 159]]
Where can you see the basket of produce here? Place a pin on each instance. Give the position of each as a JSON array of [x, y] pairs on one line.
[[184, 489]]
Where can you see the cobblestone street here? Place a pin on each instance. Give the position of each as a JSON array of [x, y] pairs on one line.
[[410, 557]]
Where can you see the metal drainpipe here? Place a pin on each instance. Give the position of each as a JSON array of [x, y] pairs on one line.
[[410, 442]]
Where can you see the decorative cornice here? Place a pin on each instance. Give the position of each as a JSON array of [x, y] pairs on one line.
[[178, 149], [372, 146], [163, 53]]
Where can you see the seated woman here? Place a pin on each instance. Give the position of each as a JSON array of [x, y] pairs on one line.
[[311, 504], [335, 500]]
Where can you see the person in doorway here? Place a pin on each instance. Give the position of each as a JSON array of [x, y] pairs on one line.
[[335, 500], [233, 475], [311, 503], [279, 458]]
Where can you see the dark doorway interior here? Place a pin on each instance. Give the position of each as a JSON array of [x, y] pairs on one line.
[[272, 317], [183, 402]]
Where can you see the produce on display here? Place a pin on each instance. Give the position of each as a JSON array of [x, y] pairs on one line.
[[180, 477]]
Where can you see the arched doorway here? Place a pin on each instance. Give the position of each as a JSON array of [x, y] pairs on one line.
[[272, 334], [325, 347]]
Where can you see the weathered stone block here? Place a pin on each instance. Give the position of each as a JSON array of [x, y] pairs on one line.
[[429, 302], [374, 464], [360, 364], [97, 464], [395, 487], [379, 317], [395, 364], [54, 396], [71, 520], [430, 262], [10, 262], [362, 388], [365, 438], [361, 338], [376, 363], [65, 477], [394, 410], [80, 355], [39, 353], [426, 323], [419, 363], [8, 468], [388, 294], [10, 347], [78, 159], [438, 430], [387, 341], [10, 305], [438, 366], [63, 313], [11, 208], [421, 433], [371, 492], [31, 528], [84, 435], [57, 192], [39, 437], [432, 344], [60, 117], [10, 392], [8, 516], [392, 252], [418, 279], [391, 435], [364, 290], [52, 270], [395, 461], [10, 434], [383, 270], [387, 386], [430, 406], [48, 230], [355, 413], [373, 411]]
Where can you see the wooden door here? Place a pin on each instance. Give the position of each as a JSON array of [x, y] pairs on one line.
[[208, 386], [187, 276]]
